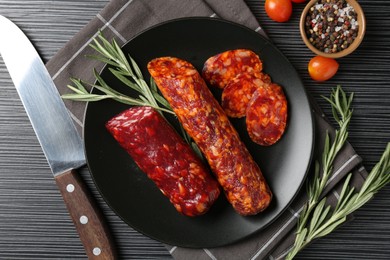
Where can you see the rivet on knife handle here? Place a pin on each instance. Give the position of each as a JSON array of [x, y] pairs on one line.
[[86, 216]]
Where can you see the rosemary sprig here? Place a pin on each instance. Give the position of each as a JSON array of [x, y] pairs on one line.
[[128, 72], [342, 114], [317, 220]]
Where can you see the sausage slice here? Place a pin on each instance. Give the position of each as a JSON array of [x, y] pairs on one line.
[[239, 91], [220, 69], [266, 115]]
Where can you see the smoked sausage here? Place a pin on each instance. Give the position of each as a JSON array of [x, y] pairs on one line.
[[205, 121], [163, 155]]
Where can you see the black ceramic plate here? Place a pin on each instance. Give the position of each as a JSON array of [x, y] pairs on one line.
[[136, 199]]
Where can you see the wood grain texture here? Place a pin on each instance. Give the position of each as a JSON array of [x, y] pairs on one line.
[[34, 222], [89, 222]]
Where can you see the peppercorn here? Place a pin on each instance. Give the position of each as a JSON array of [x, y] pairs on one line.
[[331, 25]]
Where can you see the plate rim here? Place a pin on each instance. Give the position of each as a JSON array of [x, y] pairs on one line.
[[312, 130]]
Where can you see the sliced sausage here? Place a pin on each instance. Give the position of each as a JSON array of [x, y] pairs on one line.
[[166, 159], [266, 115], [220, 69], [205, 121], [239, 91]]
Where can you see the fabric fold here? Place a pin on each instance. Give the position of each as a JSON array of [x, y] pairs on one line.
[[123, 20]]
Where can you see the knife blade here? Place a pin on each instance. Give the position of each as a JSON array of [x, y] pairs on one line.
[[59, 139]]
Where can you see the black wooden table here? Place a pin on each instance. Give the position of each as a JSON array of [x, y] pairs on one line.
[[34, 222]]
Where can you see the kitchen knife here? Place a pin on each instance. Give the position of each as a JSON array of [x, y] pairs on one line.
[[57, 135]]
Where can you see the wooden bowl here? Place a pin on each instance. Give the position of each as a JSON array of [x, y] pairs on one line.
[[360, 34]]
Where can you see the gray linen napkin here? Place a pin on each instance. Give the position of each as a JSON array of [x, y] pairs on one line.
[[124, 19]]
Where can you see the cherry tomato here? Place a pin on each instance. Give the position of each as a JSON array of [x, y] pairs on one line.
[[278, 10], [321, 68], [298, 1]]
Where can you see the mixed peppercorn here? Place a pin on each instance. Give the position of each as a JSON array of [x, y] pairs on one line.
[[331, 25]]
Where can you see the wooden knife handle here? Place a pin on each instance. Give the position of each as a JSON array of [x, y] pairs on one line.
[[86, 216]]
